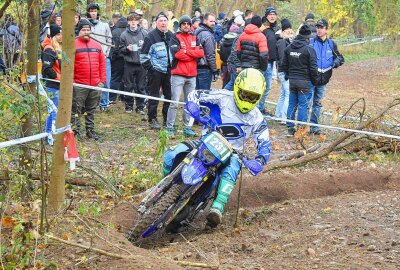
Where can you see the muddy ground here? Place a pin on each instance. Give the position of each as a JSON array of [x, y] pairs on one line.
[[331, 214]]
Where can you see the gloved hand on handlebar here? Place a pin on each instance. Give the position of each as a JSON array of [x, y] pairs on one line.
[[253, 165]]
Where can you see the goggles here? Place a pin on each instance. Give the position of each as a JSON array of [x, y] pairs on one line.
[[248, 96]]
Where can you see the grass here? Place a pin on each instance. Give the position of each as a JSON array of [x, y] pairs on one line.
[[370, 50]]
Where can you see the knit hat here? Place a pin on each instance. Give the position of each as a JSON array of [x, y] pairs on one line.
[[323, 23], [305, 31], [93, 6], [256, 20], [221, 15], [197, 9], [270, 10], [185, 18], [309, 16], [285, 24], [239, 21], [234, 28], [54, 30], [161, 15], [237, 13], [195, 19], [83, 23]]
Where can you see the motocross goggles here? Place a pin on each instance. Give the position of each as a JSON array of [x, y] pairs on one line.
[[248, 96]]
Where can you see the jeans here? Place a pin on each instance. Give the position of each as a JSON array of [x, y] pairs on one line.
[[229, 85], [204, 78], [117, 72], [179, 84], [104, 99], [53, 94], [318, 94], [283, 101], [299, 100], [268, 81]]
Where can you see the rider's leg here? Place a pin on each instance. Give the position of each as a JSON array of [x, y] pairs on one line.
[[227, 182], [170, 155]]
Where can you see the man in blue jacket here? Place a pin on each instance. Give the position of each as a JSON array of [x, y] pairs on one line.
[[328, 58]]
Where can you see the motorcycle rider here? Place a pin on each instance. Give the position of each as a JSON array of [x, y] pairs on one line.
[[236, 117]]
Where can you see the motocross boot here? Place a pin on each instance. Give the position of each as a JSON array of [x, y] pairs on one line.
[[225, 188]]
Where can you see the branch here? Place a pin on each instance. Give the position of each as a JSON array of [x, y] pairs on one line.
[[100, 251], [194, 264], [4, 7], [325, 151]]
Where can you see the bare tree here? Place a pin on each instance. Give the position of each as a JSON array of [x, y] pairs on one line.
[[57, 179], [178, 8], [188, 7], [156, 7]]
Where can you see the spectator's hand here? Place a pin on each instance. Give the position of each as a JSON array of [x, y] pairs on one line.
[[101, 85], [238, 69], [215, 76], [336, 63], [129, 47]]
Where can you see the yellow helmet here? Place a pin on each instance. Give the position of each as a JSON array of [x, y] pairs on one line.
[[248, 89]]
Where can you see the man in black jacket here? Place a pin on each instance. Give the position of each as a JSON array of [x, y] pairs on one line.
[[131, 43], [269, 29], [117, 60], [300, 67]]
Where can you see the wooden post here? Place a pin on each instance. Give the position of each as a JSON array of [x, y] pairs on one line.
[[57, 179]]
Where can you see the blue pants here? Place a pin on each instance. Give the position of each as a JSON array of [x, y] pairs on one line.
[[229, 85], [298, 101], [268, 81], [204, 78], [283, 101], [104, 98], [53, 94], [318, 93]]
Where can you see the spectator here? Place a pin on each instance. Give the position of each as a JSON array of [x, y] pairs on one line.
[[58, 19], [153, 23], [51, 69], [198, 14], [252, 47], [239, 21], [12, 38], [234, 67], [310, 21], [270, 28], [225, 52], [77, 18], [218, 34], [117, 59], [144, 24], [89, 69], [134, 77], [172, 22], [248, 14], [156, 58], [185, 52], [300, 67], [195, 23], [102, 33], [236, 13], [328, 58], [285, 38], [207, 67]]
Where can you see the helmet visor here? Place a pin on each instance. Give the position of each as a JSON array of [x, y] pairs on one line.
[[248, 96]]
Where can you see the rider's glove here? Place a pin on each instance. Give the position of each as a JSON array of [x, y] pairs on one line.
[[255, 166]]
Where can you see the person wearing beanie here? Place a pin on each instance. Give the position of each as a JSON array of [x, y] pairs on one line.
[[285, 38], [156, 58], [252, 49], [269, 29], [51, 69], [219, 26], [329, 58], [134, 78], [225, 52], [197, 12], [185, 51], [309, 20], [300, 68], [89, 69], [195, 23], [102, 33]]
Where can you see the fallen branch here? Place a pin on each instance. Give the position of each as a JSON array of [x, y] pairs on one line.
[[100, 251], [300, 153], [194, 264], [328, 149]]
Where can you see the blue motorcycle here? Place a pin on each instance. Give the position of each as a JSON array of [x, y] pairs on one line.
[[179, 197]]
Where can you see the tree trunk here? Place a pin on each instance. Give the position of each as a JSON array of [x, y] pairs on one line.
[[109, 4], [57, 179], [31, 69], [188, 7], [156, 8], [178, 8]]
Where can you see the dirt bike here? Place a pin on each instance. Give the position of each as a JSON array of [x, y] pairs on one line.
[[179, 197]]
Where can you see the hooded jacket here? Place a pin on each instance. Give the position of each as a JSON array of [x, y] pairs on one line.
[[300, 64], [205, 37], [51, 65], [135, 37], [90, 62], [118, 29], [226, 46], [252, 48], [271, 42], [185, 52]]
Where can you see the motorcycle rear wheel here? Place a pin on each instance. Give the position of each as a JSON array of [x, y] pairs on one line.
[[146, 220]]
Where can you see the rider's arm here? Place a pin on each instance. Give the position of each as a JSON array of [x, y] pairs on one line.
[[206, 96], [261, 138]]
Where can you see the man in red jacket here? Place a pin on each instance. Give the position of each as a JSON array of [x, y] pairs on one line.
[[185, 52], [89, 69]]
